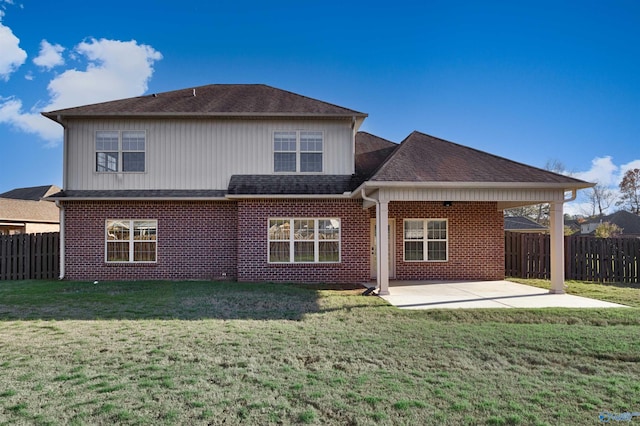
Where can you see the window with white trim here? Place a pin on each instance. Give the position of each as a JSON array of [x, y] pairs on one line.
[[426, 240], [314, 240], [298, 151], [131, 240], [120, 151]]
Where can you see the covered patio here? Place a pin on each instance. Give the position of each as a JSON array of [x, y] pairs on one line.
[[482, 294]]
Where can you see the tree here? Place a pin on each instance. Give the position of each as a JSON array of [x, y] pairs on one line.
[[608, 230], [539, 212], [630, 191], [600, 199]]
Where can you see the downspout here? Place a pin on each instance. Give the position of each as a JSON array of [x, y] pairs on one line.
[[377, 203], [62, 245], [64, 186]]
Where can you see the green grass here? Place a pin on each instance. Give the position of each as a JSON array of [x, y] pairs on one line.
[[161, 353], [625, 294]]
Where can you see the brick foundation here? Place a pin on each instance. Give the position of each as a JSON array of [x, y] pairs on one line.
[[227, 240], [196, 240], [252, 241], [476, 241]]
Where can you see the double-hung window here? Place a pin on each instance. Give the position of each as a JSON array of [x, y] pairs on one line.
[[298, 151], [120, 151], [304, 240], [131, 240], [425, 240]]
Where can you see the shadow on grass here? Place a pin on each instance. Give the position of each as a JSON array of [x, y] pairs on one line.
[[186, 300]]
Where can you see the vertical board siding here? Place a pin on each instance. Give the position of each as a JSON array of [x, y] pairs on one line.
[[586, 258], [29, 256], [198, 153]]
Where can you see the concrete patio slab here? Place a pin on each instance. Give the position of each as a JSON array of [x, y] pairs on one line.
[[482, 294]]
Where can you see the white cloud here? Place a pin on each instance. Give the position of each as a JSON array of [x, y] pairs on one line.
[[602, 171], [50, 55], [115, 69], [12, 56], [11, 112], [635, 164]]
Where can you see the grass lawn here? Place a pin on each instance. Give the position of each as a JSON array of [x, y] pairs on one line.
[[156, 353]]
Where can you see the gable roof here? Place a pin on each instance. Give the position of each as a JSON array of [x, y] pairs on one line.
[[424, 158], [32, 193], [522, 223], [222, 100]]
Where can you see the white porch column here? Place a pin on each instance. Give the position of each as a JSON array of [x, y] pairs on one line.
[[383, 248], [556, 216]]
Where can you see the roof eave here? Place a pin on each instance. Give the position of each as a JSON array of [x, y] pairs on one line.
[[58, 116], [478, 185]]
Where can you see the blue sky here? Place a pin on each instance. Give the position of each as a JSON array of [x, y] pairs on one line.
[[530, 81]]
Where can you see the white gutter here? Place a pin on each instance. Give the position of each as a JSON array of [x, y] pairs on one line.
[[61, 207], [292, 196], [574, 194], [501, 185]]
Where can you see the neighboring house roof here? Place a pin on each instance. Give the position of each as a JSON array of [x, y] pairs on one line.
[[213, 100], [629, 222], [522, 223], [424, 158], [24, 205], [33, 193]]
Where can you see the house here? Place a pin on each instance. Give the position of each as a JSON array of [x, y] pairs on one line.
[[22, 211], [523, 224], [255, 183], [627, 221]]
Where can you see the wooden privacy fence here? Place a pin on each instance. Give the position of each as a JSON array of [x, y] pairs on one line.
[[586, 258], [29, 256]]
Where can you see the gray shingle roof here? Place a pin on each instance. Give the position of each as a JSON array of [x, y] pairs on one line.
[[33, 193], [291, 184], [629, 222], [424, 158], [371, 152], [520, 223], [139, 193], [214, 100]]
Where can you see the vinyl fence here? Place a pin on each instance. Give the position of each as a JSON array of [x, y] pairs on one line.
[[29, 256], [586, 258]]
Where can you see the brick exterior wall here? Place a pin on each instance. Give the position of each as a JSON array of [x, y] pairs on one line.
[[253, 216], [475, 237], [196, 240], [204, 240]]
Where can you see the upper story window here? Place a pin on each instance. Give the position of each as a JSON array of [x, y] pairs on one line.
[[120, 151], [297, 151]]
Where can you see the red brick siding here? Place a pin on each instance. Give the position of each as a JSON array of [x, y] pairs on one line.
[[253, 219], [476, 241], [196, 240]]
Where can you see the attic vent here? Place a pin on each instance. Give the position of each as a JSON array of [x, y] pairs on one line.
[[154, 95], [194, 93]]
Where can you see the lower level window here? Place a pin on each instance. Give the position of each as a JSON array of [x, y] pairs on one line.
[[131, 240], [425, 240], [304, 240]]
